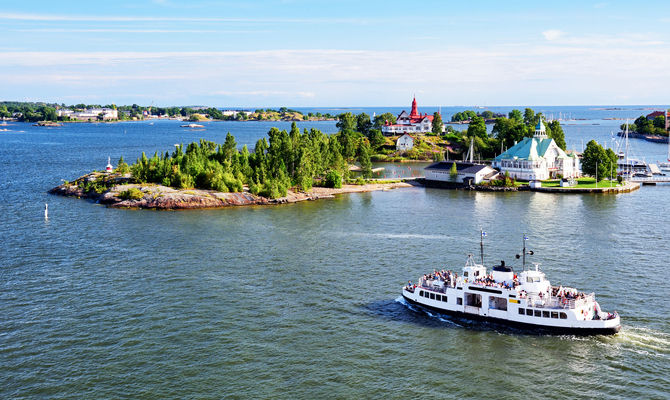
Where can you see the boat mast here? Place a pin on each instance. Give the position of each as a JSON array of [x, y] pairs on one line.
[[625, 154], [524, 252], [481, 243]]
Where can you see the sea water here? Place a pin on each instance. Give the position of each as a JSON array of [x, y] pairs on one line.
[[302, 300]]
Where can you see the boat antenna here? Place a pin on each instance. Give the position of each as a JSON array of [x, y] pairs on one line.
[[481, 243], [524, 252]]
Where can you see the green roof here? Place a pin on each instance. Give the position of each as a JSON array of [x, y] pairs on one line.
[[530, 149]]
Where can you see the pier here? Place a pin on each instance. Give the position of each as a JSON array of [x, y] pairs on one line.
[[650, 180]]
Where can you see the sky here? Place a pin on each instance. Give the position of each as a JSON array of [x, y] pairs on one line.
[[335, 53]]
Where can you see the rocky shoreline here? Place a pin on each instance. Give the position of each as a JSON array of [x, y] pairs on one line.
[[160, 197]]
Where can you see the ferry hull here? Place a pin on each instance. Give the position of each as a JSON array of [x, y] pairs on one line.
[[530, 328]]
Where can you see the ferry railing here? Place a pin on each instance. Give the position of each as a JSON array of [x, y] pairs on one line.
[[559, 302]]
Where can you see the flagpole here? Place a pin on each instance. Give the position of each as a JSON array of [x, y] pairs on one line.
[[481, 243], [524, 251]]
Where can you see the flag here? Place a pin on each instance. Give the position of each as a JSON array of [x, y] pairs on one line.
[[525, 237]]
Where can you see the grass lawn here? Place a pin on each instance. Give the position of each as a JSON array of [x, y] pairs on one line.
[[583, 183]]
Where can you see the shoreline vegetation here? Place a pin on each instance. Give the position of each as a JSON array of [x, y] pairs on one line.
[[44, 113], [287, 167]]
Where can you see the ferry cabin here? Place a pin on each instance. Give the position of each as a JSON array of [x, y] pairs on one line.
[[526, 301]]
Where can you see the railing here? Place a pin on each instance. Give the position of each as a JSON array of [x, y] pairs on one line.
[[558, 302]]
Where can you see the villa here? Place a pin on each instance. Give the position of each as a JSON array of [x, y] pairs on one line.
[[537, 158], [409, 123]]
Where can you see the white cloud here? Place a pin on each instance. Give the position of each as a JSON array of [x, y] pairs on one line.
[[552, 34], [454, 75]]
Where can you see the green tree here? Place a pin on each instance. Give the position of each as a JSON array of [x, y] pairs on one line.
[[122, 167], [477, 127], [453, 172], [376, 138], [346, 122], [516, 115], [364, 159], [438, 126], [363, 123], [509, 131], [557, 133], [529, 117], [381, 119], [595, 161]]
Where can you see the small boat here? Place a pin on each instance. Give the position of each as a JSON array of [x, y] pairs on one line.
[[192, 126], [524, 300]]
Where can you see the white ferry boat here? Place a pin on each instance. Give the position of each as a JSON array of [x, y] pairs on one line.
[[525, 300]]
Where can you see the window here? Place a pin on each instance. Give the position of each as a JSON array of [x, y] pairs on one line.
[[521, 311], [432, 296], [438, 297], [465, 274], [529, 312], [564, 315], [554, 314], [459, 301], [545, 314], [444, 299], [538, 313], [421, 293]]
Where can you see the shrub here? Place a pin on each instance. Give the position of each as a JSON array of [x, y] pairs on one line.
[[131, 194], [333, 179]]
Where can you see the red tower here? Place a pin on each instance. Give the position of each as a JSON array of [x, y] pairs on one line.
[[415, 112]]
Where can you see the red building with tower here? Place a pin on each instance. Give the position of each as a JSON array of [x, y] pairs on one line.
[[414, 122]]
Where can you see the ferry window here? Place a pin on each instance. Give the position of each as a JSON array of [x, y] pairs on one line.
[[554, 314], [545, 314], [432, 296], [476, 273], [529, 312], [444, 299], [459, 301], [421, 293], [522, 311], [538, 313], [564, 315], [465, 274], [438, 297]]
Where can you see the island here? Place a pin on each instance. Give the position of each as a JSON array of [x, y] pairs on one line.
[[45, 113], [289, 167]]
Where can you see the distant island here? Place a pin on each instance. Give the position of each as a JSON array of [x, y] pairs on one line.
[[652, 127], [52, 112]]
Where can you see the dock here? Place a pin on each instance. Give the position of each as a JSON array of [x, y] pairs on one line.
[[628, 187]]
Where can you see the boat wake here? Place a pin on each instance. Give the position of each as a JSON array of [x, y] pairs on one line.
[[644, 339], [438, 317]]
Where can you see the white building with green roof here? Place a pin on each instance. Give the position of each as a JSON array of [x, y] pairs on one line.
[[537, 158]]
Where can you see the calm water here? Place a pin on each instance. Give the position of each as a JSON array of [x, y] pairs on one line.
[[301, 301]]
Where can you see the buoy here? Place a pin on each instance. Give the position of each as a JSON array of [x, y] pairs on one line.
[[46, 211]]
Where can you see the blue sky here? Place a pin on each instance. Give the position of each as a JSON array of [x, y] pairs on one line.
[[335, 53]]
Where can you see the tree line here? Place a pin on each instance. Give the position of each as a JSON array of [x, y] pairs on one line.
[[644, 126], [286, 159]]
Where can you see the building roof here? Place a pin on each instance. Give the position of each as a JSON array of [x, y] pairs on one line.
[[530, 149], [655, 114], [408, 135], [540, 126]]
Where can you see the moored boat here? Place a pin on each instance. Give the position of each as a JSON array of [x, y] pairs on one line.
[[526, 300]]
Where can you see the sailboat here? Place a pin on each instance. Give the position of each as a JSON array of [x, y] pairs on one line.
[[627, 166]]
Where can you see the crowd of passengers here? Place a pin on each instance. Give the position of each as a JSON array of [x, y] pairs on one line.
[[566, 295], [448, 277], [489, 281]]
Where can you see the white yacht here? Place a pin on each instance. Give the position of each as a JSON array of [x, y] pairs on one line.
[[525, 300]]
